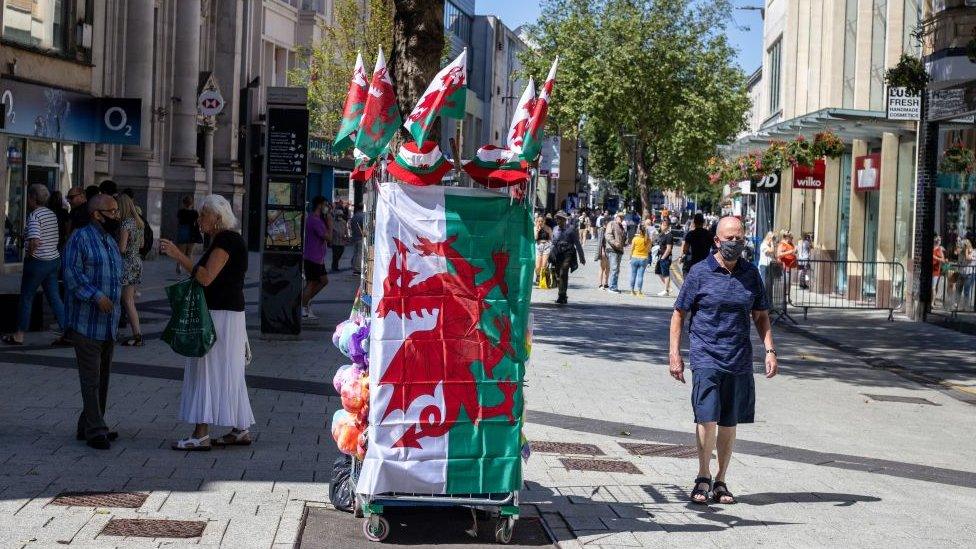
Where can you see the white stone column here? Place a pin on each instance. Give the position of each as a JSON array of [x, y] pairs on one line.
[[185, 81], [139, 66]]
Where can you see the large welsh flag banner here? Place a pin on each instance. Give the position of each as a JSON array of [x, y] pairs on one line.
[[448, 341]]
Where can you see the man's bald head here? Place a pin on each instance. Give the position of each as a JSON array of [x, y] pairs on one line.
[[101, 202], [730, 227]]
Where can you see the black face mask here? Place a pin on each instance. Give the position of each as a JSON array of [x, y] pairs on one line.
[[111, 225], [731, 249]]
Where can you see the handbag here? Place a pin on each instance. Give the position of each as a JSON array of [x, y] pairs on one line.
[[190, 331]]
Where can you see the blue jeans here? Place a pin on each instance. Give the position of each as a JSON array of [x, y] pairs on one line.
[[38, 272], [637, 267], [614, 258]]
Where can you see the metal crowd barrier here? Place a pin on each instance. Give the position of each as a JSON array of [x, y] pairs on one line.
[[955, 289], [826, 284]]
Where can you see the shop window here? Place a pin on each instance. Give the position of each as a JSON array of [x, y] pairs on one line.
[[775, 56], [879, 30], [13, 225], [36, 23], [850, 52]]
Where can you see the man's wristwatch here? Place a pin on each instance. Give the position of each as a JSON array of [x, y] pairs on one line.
[[770, 351]]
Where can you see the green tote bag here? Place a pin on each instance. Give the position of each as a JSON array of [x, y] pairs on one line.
[[190, 331]]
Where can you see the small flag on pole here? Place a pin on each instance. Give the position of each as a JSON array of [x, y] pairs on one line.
[[445, 96]]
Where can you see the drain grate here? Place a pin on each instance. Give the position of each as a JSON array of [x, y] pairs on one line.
[[896, 398], [603, 465], [547, 447], [132, 500], [148, 528], [660, 450]]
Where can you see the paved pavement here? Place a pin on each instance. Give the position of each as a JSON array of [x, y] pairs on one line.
[[824, 466]]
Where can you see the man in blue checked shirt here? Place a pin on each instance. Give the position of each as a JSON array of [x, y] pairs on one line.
[[724, 295], [92, 270]]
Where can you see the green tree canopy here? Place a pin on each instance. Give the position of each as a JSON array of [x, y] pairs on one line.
[[654, 80]]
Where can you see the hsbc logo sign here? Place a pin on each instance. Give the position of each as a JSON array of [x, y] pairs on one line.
[[768, 184]]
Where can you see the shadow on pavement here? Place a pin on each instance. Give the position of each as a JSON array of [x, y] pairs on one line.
[[771, 498]]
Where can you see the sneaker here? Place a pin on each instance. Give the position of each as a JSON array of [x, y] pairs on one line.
[[633, 292], [640, 294], [309, 314], [663, 293], [613, 290]]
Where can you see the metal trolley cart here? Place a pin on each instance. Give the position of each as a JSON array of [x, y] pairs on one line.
[[503, 508]]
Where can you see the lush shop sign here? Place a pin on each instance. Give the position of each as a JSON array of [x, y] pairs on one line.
[[810, 177], [32, 110], [903, 105]]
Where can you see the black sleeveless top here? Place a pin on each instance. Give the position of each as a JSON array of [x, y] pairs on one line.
[[542, 234]]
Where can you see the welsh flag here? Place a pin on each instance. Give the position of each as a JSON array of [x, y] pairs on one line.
[[448, 341], [520, 121], [533, 137], [497, 167], [352, 112], [381, 117], [445, 96]]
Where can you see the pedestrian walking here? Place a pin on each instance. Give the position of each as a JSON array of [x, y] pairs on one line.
[[615, 238], [42, 263], [697, 244], [130, 242], [566, 249], [93, 289], [318, 235], [803, 261], [721, 294], [187, 232], [543, 246], [767, 254], [639, 251], [357, 227], [603, 259], [938, 260], [340, 233], [214, 386], [78, 216], [665, 245], [57, 204], [786, 255], [967, 268], [584, 227]]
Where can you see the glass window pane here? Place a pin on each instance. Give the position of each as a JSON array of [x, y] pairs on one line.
[[13, 225], [879, 30], [850, 52], [35, 23]]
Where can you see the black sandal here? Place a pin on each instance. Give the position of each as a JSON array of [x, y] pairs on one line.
[[696, 491], [719, 491], [134, 341], [9, 340]]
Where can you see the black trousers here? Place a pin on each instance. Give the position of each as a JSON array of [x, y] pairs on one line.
[[562, 274], [336, 256], [94, 364]]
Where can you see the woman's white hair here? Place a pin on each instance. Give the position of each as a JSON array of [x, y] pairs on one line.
[[219, 206]]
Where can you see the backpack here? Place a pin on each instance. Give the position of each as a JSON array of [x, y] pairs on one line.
[[147, 238]]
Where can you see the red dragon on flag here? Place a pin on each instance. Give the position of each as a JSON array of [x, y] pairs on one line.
[[444, 354], [520, 121], [381, 116], [445, 96]]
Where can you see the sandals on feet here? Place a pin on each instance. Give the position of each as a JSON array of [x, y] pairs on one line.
[[234, 438], [9, 340], [719, 491], [190, 444], [702, 492]]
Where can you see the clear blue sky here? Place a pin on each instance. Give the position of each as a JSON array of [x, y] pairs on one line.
[[744, 32]]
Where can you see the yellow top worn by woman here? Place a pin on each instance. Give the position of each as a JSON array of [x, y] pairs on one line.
[[641, 247]]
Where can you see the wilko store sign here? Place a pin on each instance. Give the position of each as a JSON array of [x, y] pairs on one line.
[[806, 177]]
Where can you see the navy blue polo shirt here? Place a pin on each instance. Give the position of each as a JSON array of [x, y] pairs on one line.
[[721, 305]]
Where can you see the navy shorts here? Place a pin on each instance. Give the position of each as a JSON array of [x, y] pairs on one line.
[[728, 399]]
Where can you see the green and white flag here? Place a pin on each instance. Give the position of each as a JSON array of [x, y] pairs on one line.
[[448, 341], [381, 116], [352, 111], [446, 96], [532, 146]]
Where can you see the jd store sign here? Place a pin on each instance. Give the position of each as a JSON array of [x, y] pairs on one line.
[[767, 184]]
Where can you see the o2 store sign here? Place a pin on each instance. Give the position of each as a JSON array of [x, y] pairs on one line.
[[51, 113], [768, 184]]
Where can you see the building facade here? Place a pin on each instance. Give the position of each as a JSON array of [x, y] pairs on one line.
[[823, 69]]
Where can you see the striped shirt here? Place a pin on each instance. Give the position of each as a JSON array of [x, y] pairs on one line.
[[92, 269], [42, 225]]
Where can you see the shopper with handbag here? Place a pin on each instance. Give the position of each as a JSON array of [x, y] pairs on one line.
[[214, 387]]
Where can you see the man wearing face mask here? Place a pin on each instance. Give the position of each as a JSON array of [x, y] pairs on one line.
[[722, 293], [92, 271]]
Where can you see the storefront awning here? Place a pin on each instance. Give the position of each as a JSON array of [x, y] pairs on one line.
[[848, 124]]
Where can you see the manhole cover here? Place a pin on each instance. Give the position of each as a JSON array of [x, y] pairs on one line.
[[132, 500], [147, 528], [895, 398], [547, 447], [605, 465], [660, 450]]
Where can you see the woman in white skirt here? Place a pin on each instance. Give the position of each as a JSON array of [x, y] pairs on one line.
[[214, 388]]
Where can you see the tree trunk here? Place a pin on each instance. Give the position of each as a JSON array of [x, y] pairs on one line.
[[642, 189], [418, 41]]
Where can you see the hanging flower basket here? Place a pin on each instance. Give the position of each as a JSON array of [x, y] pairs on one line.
[[751, 166], [800, 152], [827, 144], [777, 157], [909, 73], [958, 158]]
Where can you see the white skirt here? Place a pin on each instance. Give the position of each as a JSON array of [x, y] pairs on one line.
[[214, 388]]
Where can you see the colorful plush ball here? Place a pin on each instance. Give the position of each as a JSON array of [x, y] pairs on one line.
[[346, 433]]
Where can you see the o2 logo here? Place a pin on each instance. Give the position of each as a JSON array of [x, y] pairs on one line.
[[116, 120]]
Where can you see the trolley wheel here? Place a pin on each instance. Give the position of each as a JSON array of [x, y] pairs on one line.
[[376, 528], [504, 528]]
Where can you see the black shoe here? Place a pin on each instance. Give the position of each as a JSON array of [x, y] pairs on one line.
[[112, 435], [100, 443], [561, 301]]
